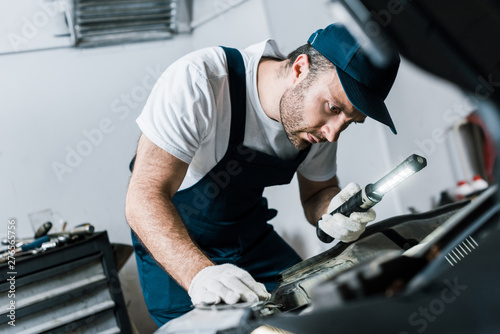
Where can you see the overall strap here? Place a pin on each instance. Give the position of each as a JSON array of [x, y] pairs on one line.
[[237, 92]]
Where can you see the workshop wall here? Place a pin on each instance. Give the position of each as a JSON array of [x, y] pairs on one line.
[[68, 126], [68, 130]]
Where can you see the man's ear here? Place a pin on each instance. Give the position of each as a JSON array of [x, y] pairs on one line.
[[300, 68]]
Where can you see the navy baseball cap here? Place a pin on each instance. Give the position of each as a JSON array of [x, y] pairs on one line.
[[365, 84]]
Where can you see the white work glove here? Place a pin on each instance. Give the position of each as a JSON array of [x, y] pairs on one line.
[[225, 283], [338, 226]]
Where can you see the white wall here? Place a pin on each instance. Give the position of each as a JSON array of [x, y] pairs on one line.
[[50, 99]]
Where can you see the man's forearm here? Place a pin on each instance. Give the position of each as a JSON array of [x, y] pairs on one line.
[[155, 220], [317, 204]]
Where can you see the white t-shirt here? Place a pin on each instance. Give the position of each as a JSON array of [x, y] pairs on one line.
[[188, 114]]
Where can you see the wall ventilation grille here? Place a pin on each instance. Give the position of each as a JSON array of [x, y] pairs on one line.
[[97, 22]]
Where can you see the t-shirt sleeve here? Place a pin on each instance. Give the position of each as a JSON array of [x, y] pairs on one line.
[[177, 115], [321, 162]]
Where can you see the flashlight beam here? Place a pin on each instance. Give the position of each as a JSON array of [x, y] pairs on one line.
[[404, 170]]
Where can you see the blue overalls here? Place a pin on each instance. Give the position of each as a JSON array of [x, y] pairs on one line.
[[225, 213]]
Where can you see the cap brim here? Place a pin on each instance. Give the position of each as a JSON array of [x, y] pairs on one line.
[[365, 101]]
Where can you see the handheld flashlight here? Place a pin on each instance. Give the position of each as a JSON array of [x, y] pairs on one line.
[[371, 194]]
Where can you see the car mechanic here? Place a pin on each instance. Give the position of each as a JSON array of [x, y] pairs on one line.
[[222, 124]]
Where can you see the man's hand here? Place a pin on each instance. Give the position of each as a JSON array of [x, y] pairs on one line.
[[338, 226], [225, 283]]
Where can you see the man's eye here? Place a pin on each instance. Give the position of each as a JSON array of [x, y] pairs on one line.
[[333, 108]]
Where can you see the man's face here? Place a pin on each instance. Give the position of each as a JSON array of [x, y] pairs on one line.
[[317, 110]]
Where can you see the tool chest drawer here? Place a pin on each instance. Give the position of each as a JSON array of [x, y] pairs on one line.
[[72, 289]]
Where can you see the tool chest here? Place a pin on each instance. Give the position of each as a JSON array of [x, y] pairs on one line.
[[71, 289]]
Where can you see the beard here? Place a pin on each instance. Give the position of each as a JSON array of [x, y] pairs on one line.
[[292, 115]]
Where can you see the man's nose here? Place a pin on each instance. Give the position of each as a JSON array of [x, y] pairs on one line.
[[329, 133], [332, 130]]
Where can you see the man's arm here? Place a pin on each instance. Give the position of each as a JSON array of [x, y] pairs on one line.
[[316, 196], [151, 214]]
